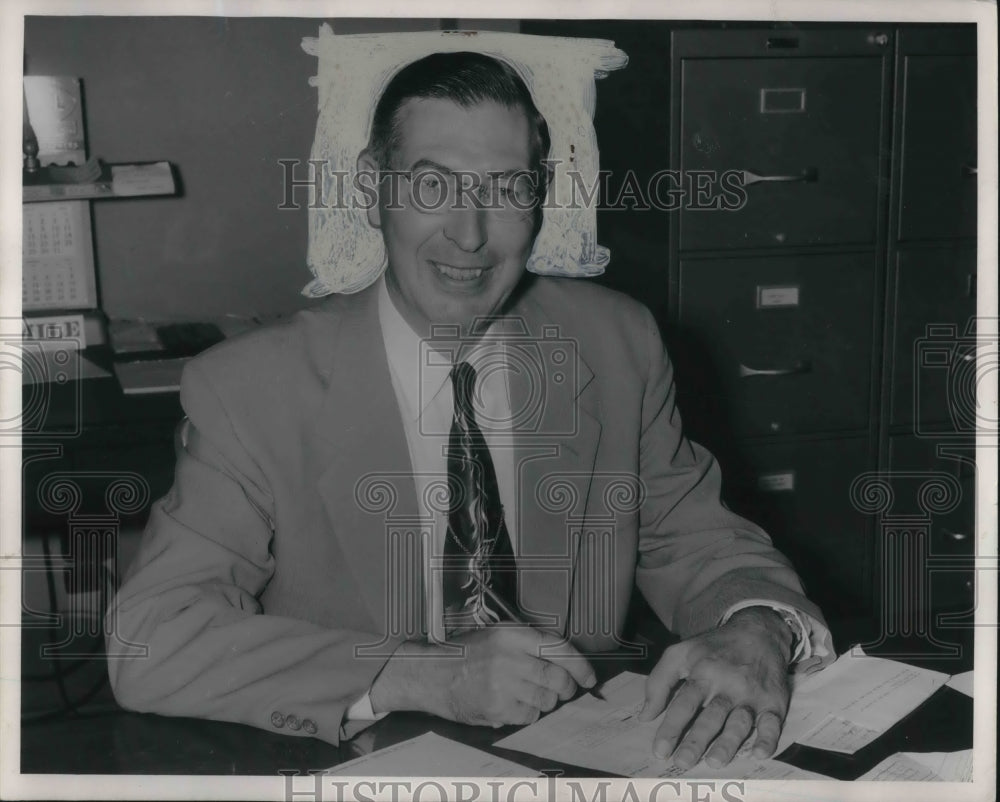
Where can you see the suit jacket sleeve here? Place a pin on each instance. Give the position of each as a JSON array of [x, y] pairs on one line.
[[696, 558], [190, 600]]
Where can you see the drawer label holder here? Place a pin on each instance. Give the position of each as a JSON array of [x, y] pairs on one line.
[[777, 296], [776, 482]]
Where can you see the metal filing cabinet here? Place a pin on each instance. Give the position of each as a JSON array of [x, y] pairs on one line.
[[804, 133], [936, 77], [933, 300], [775, 305], [930, 370], [789, 487], [783, 359], [818, 313], [935, 486]]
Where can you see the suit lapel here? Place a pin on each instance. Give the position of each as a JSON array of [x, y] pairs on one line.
[[367, 486], [556, 435]]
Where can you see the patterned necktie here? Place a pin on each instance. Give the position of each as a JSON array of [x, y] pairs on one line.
[[477, 552]]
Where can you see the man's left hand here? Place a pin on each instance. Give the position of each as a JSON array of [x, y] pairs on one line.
[[727, 681]]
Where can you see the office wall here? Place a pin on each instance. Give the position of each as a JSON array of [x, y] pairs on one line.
[[222, 99]]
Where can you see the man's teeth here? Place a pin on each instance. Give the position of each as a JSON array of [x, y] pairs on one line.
[[459, 274]]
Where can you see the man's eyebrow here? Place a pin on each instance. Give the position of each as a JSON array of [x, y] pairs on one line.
[[429, 164], [510, 172], [433, 166]]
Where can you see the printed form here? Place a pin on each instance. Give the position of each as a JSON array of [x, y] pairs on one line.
[[850, 703], [608, 736], [924, 766], [841, 709]]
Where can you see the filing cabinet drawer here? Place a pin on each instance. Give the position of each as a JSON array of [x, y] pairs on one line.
[[776, 345], [800, 494], [809, 127], [941, 491], [937, 170], [933, 352]]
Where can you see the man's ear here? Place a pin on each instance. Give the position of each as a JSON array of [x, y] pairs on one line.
[[368, 185]]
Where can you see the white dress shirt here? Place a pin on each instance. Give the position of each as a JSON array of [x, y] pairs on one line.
[[422, 383]]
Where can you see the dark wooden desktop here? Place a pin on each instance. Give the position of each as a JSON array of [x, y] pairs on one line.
[[91, 426]]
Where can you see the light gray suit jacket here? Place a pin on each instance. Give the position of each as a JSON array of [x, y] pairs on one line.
[[283, 567]]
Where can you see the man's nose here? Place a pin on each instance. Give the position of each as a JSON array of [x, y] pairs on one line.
[[466, 227]]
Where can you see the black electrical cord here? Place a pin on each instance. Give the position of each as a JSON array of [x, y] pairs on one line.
[[57, 669]]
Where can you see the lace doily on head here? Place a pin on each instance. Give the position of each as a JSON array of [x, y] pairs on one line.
[[345, 253]]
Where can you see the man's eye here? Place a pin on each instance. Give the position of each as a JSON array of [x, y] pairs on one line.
[[519, 192], [429, 181]]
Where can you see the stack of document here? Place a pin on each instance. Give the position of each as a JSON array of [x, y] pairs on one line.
[[843, 708], [852, 702], [607, 735]]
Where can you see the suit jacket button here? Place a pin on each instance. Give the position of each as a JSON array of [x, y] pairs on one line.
[[293, 723], [277, 719], [309, 726]]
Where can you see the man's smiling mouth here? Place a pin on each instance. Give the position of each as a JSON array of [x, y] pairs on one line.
[[459, 273]]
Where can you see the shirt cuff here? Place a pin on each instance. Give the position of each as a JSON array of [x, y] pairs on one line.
[[359, 716], [361, 710], [815, 644]]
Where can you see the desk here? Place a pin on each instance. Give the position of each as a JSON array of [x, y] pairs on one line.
[[118, 742]]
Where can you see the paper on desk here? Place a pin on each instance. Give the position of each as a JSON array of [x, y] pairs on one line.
[[750, 769], [841, 709], [133, 336], [963, 683], [607, 736], [151, 375], [850, 703], [142, 179], [836, 734], [923, 766], [602, 735], [430, 755]]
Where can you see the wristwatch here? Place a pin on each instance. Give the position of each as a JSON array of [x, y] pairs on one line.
[[795, 625]]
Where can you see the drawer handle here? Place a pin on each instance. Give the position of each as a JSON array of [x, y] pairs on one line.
[[802, 366], [782, 43], [955, 535], [808, 176], [970, 169]]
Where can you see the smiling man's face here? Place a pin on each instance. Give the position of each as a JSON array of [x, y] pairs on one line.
[[454, 265]]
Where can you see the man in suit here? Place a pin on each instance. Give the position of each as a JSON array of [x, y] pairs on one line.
[[329, 553]]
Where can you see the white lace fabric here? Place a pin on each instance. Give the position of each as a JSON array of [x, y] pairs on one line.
[[345, 253]]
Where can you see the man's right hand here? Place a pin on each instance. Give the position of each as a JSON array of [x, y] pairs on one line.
[[502, 676]]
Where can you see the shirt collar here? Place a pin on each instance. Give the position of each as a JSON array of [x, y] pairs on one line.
[[422, 373]]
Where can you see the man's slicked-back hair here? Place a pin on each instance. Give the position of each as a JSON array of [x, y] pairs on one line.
[[464, 78]]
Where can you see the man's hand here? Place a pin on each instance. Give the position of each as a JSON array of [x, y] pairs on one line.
[[727, 681], [502, 677]]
